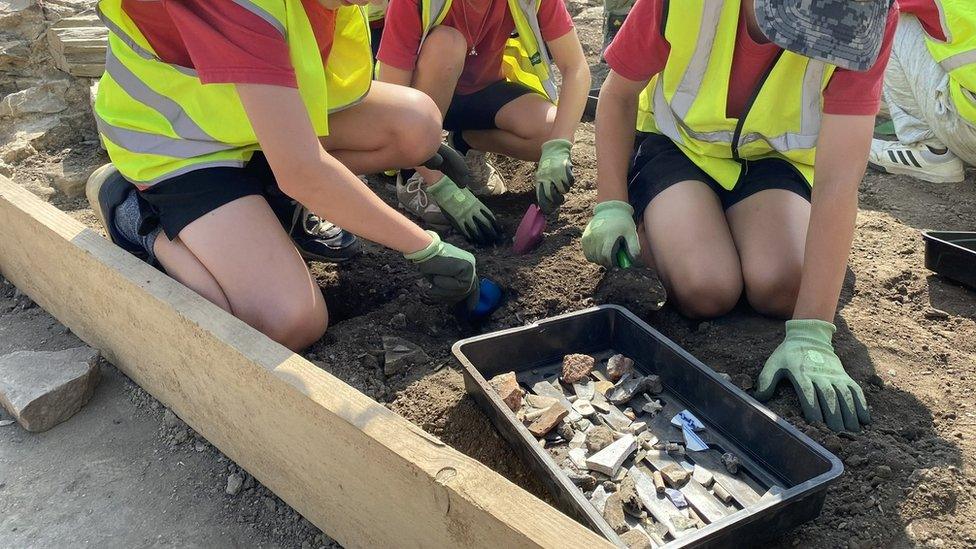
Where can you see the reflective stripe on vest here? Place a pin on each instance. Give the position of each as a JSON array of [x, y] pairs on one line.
[[957, 54], [159, 120], [526, 59], [687, 101]]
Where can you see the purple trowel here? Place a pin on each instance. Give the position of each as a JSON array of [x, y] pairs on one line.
[[529, 232]]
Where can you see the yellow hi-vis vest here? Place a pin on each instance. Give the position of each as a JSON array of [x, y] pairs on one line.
[[157, 120], [526, 59], [957, 54], [687, 101]]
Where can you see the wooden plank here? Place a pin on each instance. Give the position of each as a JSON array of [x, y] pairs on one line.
[[363, 474]]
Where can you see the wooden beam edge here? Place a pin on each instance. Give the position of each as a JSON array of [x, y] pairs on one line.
[[360, 472]]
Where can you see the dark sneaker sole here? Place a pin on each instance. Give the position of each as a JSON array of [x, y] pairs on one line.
[[105, 190]]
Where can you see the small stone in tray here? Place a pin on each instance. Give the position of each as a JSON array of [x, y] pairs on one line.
[[584, 407], [703, 476], [548, 420], [584, 481], [577, 367], [598, 438], [614, 514], [599, 499], [636, 539], [566, 431], [682, 523], [609, 459], [585, 391], [507, 387], [603, 387], [676, 497], [652, 407], [618, 366], [628, 492], [578, 457], [630, 385], [674, 474], [731, 462], [539, 401]]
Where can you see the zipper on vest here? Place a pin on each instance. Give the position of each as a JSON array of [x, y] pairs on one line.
[[745, 114]]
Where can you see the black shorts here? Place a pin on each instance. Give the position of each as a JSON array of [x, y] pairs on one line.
[[476, 111], [658, 164], [175, 203]]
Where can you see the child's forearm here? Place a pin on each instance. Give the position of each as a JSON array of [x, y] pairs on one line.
[[572, 101], [842, 152], [616, 115], [332, 191]]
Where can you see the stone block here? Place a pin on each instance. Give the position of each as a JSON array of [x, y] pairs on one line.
[[609, 459], [507, 387], [40, 389], [548, 420]]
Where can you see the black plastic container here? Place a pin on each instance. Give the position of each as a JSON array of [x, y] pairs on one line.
[[952, 254], [775, 451]]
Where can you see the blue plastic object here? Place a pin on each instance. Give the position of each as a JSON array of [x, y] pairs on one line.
[[488, 301]]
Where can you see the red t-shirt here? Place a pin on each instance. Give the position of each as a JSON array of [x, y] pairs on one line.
[[223, 41], [486, 26], [639, 51], [928, 15]]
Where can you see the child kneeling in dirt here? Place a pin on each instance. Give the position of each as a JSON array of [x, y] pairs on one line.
[[214, 108], [734, 101], [496, 93]]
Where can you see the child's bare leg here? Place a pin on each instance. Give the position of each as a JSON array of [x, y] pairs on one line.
[[255, 267], [523, 126], [770, 231], [693, 251], [393, 127]]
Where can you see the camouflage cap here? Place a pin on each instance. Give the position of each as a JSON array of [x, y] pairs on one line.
[[846, 33]]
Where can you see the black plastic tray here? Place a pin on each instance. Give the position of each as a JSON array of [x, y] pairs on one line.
[[952, 254], [773, 451]]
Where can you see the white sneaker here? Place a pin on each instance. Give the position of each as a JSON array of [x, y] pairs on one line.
[[485, 180], [917, 161], [414, 199]]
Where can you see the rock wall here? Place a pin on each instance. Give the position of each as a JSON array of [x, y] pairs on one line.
[[50, 51]]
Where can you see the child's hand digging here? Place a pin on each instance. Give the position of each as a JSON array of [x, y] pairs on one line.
[[450, 270]]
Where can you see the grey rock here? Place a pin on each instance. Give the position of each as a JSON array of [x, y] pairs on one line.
[[630, 385], [171, 421], [234, 484], [609, 459], [598, 438], [41, 389], [400, 354], [47, 98]]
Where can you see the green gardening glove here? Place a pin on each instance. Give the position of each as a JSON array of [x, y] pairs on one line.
[[806, 357], [449, 269], [554, 176], [465, 212], [613, 222]]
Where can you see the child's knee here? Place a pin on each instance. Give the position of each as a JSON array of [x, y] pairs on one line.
[[296, 326], [772, 289], [444, 47], [702, 294], [418, 131]]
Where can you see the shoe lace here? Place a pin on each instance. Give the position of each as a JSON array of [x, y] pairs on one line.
[[313, 224], [415, 188], [478, 166]]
